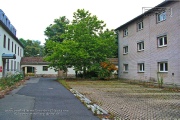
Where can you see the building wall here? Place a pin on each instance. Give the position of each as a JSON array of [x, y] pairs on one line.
[[12, 65], [152, 54]]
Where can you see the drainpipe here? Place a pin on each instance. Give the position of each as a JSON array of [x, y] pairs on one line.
[[118, 54]]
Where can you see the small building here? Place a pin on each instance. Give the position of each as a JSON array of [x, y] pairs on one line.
[[149, 45], [11, 48], [36, 66]]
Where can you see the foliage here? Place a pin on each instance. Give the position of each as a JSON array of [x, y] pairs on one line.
[[85, 44], [160, 79], [32, 48], [10, 80]]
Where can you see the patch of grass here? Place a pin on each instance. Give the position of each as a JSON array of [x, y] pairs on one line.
[[64, 83]]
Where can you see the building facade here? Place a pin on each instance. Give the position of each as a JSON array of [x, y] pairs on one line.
[[149, 45], [11, 49]]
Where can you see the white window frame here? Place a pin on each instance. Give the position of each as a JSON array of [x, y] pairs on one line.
[[125, 32], [125, 50], [163, 38], [140, 46], [140, 25], [161, 16], [125, 67], [164, 66], [141, 67]]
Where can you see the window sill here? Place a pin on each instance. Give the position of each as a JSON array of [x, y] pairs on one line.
[[162, 46], [160, 21], [163, 72], [140, 50], [125, 53], [141, 71], [139, 29], [125, 71]]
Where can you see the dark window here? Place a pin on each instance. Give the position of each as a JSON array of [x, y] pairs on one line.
[[4, 41], [45, 68], [8, 44], [15, 48], [12, 46]]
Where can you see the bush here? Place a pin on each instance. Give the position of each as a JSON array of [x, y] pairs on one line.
[[10, 80]]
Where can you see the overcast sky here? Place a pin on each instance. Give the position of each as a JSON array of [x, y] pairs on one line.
[[31, 17]]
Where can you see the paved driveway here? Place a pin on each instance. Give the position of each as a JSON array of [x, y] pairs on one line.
[[43, 99]]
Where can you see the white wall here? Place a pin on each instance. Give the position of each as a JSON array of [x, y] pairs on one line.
[[14, 66]]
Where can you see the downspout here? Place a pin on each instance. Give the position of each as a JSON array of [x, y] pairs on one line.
[[118, 54]]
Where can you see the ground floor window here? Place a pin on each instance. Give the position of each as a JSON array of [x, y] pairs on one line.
[[125, 67], [140, 67], [45, 68], [163, 66]]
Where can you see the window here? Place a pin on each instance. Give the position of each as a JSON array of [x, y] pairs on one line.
[[12, 46], [140, 67], [140, 25], [163, 66], [125, 50], [11, 65], [125, 67], [45, 68], [18, 50], [140, 46], [125, 32], [162, 41], [4, 41], [8, 44], [7, 64], [15, 48], [161, 16], [14, 65]]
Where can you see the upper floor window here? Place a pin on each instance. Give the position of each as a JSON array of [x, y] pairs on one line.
[[12, 46], [125, 50], [140, 25], [15, 48], [161, 16], [8, 44], [4, 45], [162, 41], [163, 66], [140, 46], [125, 32]]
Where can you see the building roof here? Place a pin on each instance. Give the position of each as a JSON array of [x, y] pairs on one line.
[[33, 61], [10, 33], [145, 13]]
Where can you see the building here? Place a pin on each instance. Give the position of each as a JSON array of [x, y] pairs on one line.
[[37, 66], [149, 45], [11, 48]]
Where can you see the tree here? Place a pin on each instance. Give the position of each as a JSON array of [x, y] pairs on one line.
[[32, 48], [85, 44]]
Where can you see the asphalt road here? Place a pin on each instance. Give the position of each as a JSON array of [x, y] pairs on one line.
[[43, 99]]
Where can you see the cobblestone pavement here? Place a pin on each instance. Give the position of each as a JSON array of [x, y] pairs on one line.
[[131, 102]]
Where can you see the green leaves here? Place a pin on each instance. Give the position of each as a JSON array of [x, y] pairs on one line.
[[85, 43]]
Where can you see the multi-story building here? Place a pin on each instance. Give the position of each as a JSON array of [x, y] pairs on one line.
[[11, 49], [149, 45]]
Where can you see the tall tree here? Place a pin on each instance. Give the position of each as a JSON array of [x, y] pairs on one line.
[[85, 44], [32, 48]]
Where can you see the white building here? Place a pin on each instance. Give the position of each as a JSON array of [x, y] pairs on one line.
[[11, 49]]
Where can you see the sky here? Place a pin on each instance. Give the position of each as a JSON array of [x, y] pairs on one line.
[[31, 17]]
